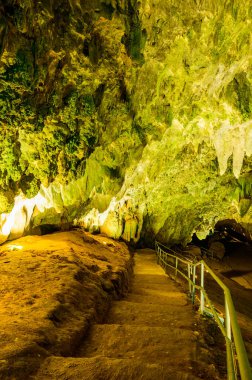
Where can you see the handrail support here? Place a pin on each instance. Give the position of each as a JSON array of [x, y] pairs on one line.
[[202, 300]]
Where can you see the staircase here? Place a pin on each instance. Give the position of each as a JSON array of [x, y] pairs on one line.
[[150, 335]]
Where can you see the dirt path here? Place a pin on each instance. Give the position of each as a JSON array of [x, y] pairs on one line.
[[151, 334]]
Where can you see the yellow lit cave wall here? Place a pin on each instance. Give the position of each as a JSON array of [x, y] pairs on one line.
[[132, 118]]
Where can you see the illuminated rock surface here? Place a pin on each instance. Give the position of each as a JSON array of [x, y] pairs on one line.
[[139, 109], [52, 288]]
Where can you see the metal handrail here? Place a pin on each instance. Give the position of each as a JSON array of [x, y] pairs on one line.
[[229, 325], [182, 258]]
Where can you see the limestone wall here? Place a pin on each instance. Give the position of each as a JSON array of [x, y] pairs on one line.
[[148, 100]]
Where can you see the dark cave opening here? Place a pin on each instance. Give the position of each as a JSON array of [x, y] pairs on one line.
[[228, 248], [227, 239]]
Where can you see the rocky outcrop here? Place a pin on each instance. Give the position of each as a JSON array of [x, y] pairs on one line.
[[147, 102], [217, 249], [53, 289]]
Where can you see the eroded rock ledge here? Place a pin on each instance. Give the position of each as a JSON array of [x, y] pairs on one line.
[[52, 288]]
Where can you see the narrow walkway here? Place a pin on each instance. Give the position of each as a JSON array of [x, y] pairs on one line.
[[149, 335]]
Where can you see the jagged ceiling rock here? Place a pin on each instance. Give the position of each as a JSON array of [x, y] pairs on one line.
[[133, 116]]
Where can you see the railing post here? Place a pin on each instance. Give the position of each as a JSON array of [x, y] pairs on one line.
[[202, 287], [189, 276], [194, 276], [230, 361], [230, 356], [227, 320], [165, 261], [176, 266]]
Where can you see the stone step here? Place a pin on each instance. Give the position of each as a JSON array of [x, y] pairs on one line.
[[142, 279], [148, 269], [157, 296], [150, 335], [151, 344], [165, 287], [150, 314], [157, 300], [103, 368]]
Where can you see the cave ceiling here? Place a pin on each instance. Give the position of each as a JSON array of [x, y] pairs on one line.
[[132, 118]]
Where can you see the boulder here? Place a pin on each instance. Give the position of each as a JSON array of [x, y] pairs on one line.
[[218, 249], [193, 250]]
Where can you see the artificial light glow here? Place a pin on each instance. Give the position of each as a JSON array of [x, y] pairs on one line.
[[14, 247]]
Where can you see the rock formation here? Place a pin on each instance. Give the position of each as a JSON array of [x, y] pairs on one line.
[[107, 103]]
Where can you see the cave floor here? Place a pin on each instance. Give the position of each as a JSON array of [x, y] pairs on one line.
[[152, 333]]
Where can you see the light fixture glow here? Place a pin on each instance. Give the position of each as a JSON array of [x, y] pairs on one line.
[[14, 247]]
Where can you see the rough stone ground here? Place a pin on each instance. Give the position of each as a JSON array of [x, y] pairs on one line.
[[52, 288], [153, 333]]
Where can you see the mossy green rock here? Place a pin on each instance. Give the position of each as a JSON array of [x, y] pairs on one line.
[[146, 101]]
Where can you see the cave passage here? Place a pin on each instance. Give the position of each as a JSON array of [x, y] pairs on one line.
[[122, 123]]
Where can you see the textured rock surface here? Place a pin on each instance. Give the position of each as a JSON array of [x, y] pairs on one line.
[[53, 287], [139, 109]]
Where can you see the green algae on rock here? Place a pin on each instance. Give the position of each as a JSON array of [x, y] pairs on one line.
[[145, 102]]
